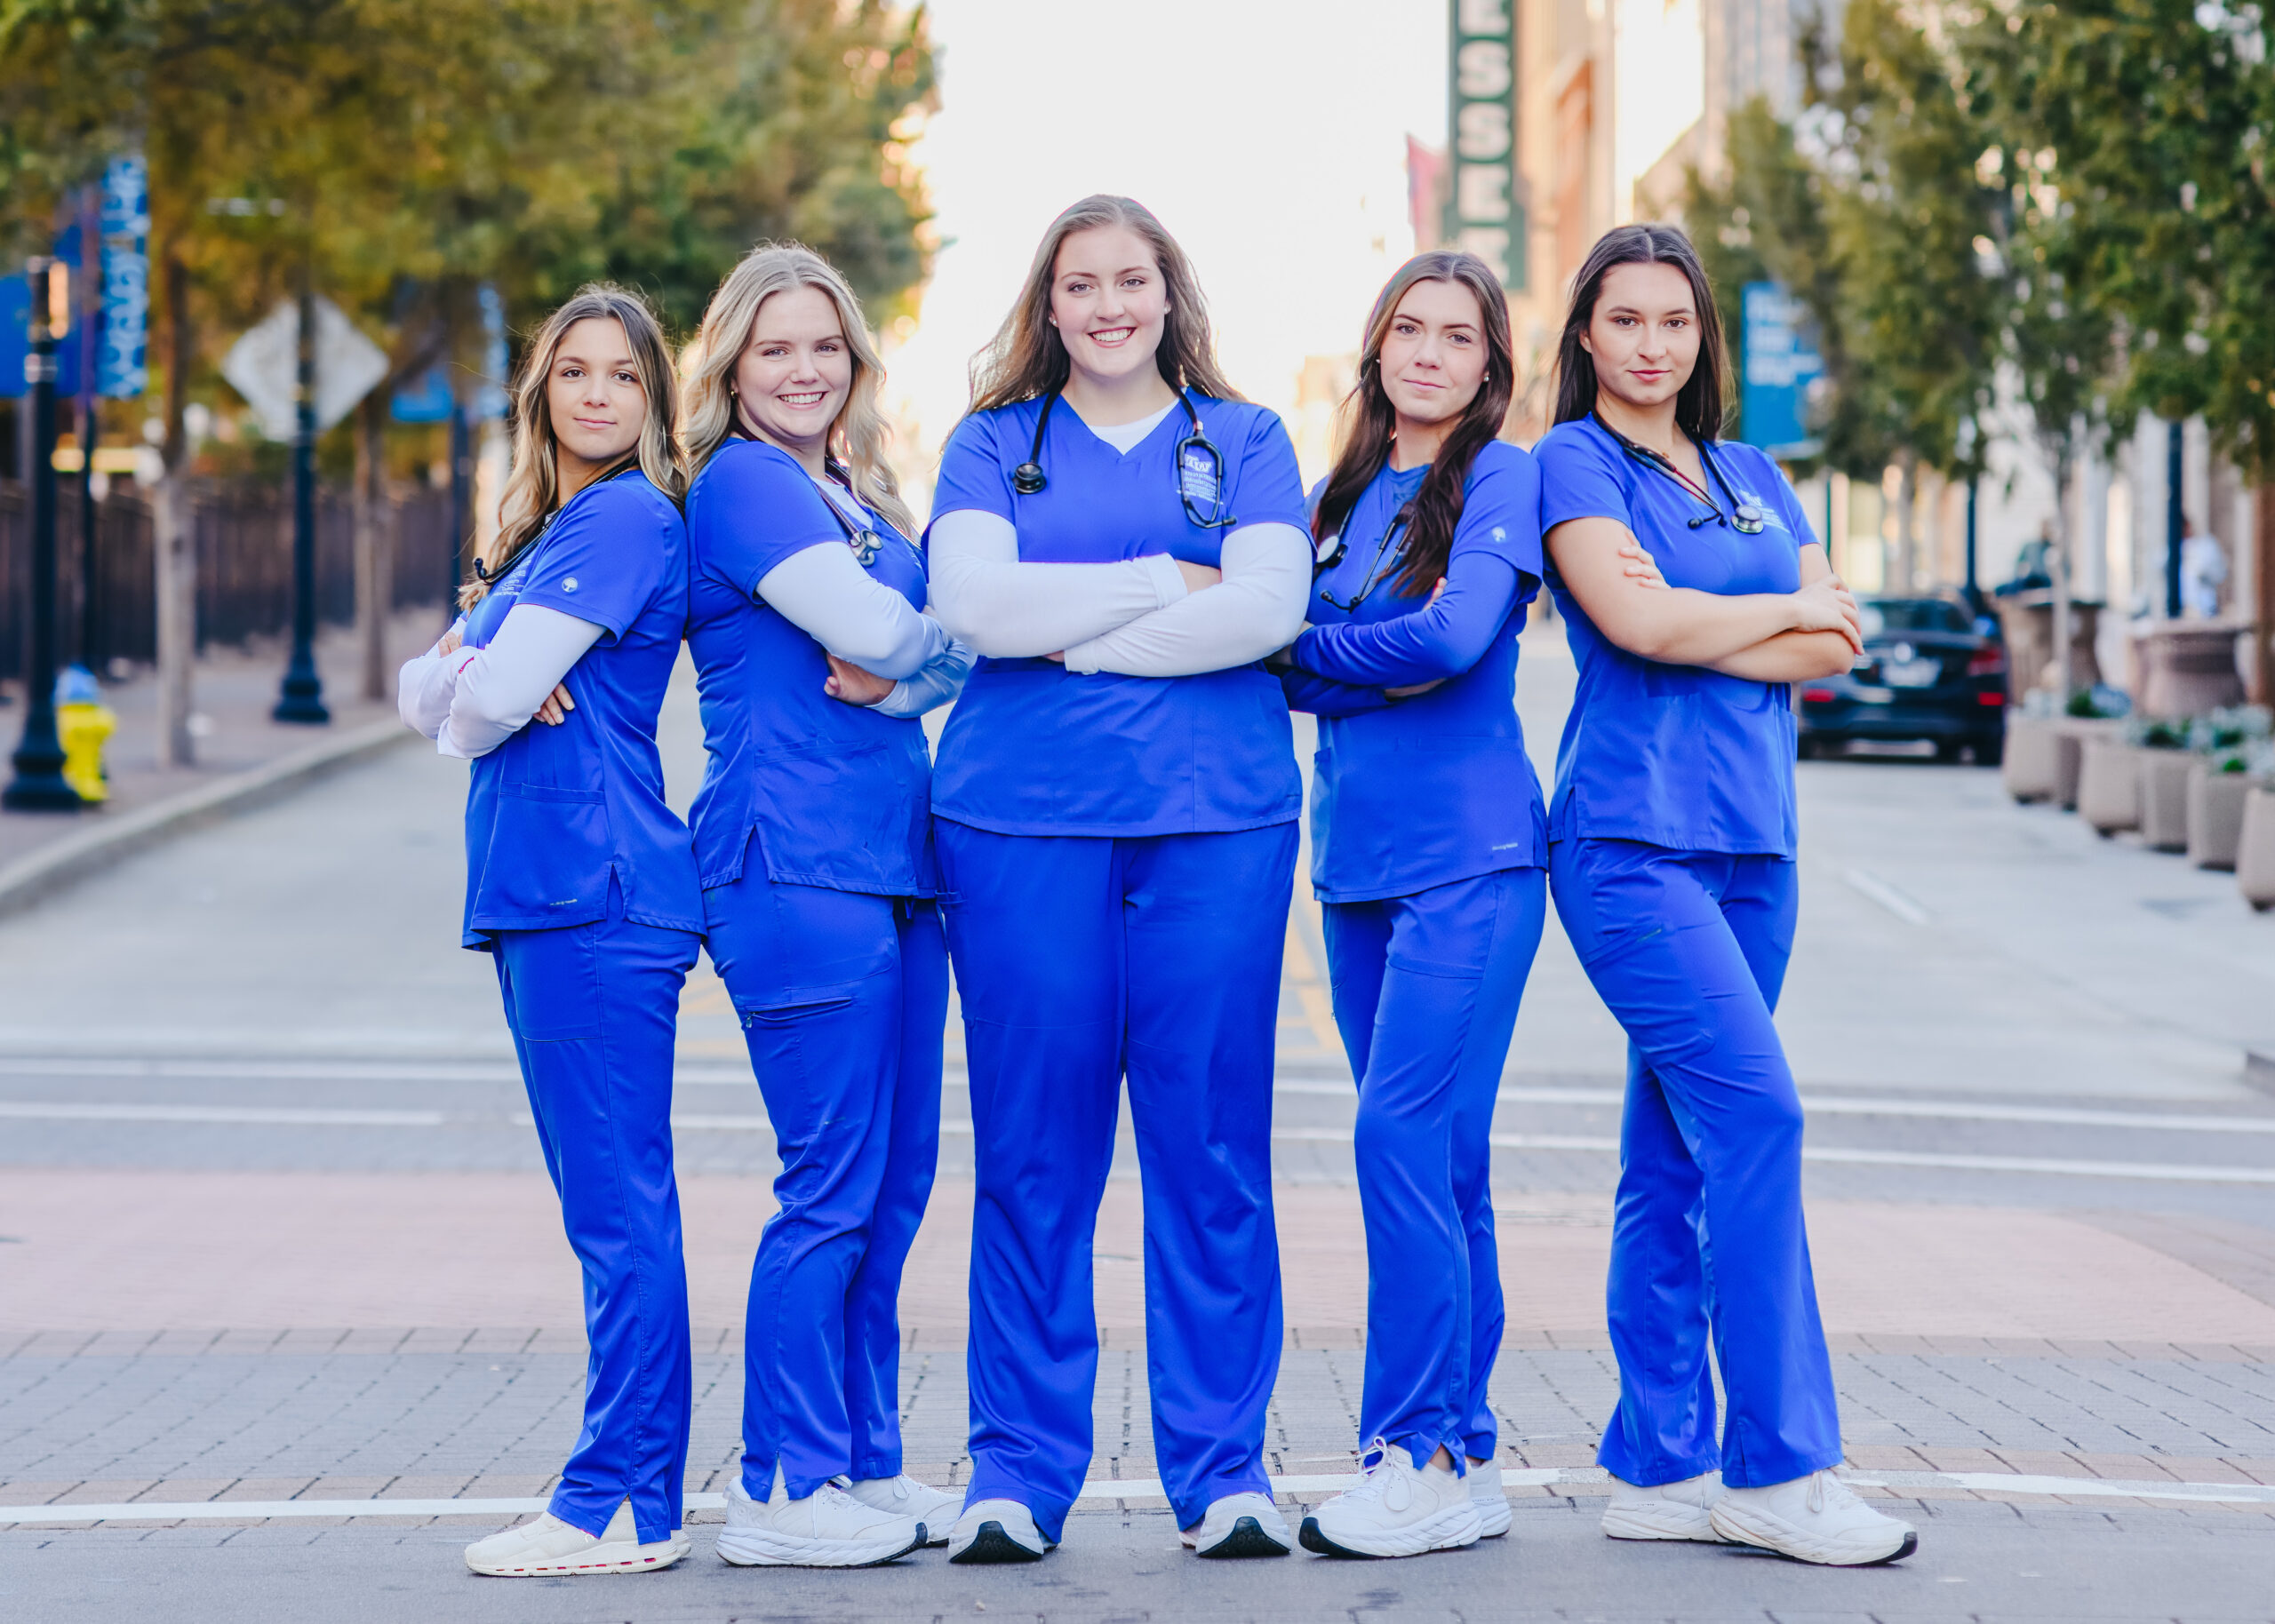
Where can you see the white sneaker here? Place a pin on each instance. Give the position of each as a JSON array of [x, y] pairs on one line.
[[1492, 1500], [936, 1509], [1244, 1524], [1398, 1510], [996, 1531], [1664, 1511], [549, 1547], [1815, 1518], [827, 1529]]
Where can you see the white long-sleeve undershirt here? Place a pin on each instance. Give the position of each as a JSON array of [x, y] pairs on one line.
[[1257, 608], [941, 680], [500, 686], [824, 592], [1006, 609], [424, 686]]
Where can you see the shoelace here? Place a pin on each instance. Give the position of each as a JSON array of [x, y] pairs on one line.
[[1828, 1493], [1372, 1479]]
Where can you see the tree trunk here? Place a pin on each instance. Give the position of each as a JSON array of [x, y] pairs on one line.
[[374, 575], [1907, 522], [2262, 608], [2058, 567], [174, 549]]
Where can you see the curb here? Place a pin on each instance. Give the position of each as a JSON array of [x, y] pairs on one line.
[[77, 855]]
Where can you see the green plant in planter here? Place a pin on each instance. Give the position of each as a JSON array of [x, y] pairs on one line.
[[2100, 702], [2158, 733], [2231, 727]]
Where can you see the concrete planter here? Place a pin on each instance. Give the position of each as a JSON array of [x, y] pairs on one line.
[[2029, 764], [2165, 776], [2109, 785], [2215, 815], [2255, 849], [2071, 735], [2188, 667]]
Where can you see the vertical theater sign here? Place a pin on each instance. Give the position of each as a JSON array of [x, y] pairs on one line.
[[1485, 214]]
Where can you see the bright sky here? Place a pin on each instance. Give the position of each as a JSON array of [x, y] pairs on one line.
[[1268, 137]]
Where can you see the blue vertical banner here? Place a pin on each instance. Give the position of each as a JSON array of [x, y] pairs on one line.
[[122, 354], [1487, 211], [490, 401], [1780, 362], [15, 334]]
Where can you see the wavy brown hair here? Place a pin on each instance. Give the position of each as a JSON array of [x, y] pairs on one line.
[[1026, 360], [1370, 423], [857, 439], [533, 488], [1699, 406]]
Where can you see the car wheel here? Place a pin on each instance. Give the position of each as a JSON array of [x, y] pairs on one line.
[[1947, 749], [1806, 748], [1990, 752]]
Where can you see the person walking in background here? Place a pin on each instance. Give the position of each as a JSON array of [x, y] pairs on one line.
[[1118, 534], [1427, 846], [814, 660], [1673, 832], [581, 885]]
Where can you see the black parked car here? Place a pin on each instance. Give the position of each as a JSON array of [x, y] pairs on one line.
[[1926, 672]]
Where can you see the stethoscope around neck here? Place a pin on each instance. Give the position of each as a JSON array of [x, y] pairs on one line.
[[1744, 517], [1198, 466]]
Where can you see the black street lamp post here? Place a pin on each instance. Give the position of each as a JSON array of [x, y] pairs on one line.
[[302, 698], [38, 784]]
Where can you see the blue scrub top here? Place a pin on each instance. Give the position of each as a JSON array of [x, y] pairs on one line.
[[554, 814], [1435, 788], [1033, 749], [1676, 756], [832, 794]]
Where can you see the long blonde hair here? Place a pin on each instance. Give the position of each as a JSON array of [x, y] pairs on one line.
[[1027, 360], [533, 489], [707, 371]]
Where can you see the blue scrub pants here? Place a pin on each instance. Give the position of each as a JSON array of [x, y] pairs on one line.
[[1688, 950], [1081, 960], [842, 998], [1427, 988], [594, 1011]]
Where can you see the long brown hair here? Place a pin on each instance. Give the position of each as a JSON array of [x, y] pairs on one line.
[[1370, 423], [1026, 360], [1698, 408], [859, 434], [533, 489]]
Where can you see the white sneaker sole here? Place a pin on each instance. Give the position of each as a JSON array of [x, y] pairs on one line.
[[601, 1559], [1745, 1526], [756, 1547], [1492, 1516], [1452, 1529], [1662, 1520]]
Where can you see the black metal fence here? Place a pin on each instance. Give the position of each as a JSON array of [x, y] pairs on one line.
[[244, 566]]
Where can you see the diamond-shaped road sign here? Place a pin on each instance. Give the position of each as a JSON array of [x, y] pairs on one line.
[[264, 366]]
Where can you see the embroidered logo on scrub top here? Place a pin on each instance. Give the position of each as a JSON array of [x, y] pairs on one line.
[[1196, 476], [569, 585]]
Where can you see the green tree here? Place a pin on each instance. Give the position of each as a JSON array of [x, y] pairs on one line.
[[1903, 220]]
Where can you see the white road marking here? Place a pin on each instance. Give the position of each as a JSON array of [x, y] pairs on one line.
[[1583, 1478], [1866, 883], [264, 1116]]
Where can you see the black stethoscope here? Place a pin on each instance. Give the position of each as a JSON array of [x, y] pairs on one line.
[[1744, 517], [489, 577], [864, 539], [1199, 465], [1401, 519]]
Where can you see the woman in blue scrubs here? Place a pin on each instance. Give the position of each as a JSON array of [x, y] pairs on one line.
[[814, 661], [580, 883], [1119, 535], [1427, 848], [1671, 860]]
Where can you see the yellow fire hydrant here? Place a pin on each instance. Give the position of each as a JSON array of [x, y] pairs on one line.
[[82, 721]]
